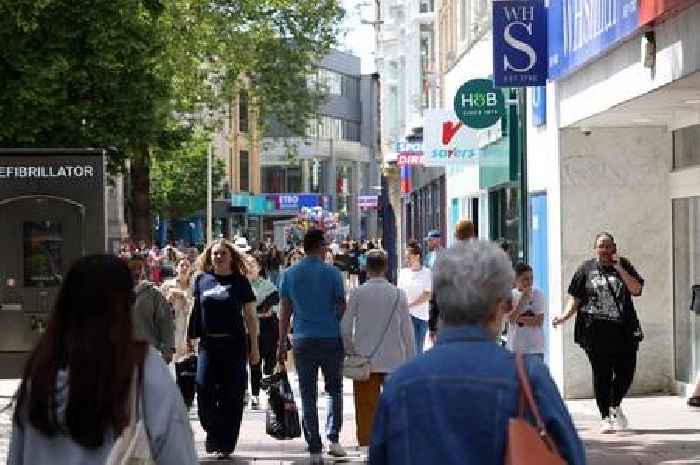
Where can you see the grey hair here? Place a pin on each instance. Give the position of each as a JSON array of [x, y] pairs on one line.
[[468, 279]]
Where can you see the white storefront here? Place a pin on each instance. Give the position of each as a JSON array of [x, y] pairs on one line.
[[621, 152]]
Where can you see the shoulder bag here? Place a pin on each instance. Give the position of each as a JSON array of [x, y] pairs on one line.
[[357, 367], [528, 444], [132, 447]]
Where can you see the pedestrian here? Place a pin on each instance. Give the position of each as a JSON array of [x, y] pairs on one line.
[[376, 325], [223, 300], [434, 248], [178, 293], [275, 263], [152, 314], [453, 404], [75, 395], [416, 282], [464, 231], [607, 326], [314, 292], [266, 299], [526, 319]]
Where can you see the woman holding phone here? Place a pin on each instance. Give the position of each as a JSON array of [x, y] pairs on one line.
[[607, 327]]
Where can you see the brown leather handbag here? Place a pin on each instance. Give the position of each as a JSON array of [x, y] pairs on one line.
[[528, 444]]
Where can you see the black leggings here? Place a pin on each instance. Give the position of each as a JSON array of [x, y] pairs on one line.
[[612, 378], [268, 353]]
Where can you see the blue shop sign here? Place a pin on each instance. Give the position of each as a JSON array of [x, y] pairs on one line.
[[539, 106], [519, 43], [288, 202], [581, 30]]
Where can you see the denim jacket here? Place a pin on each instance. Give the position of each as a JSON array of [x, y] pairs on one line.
[[451, 405]]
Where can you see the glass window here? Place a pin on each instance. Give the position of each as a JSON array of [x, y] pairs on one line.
[[244, 164], [294, 179], [43, 254], [273, 181], [243, 112], [686, 147]]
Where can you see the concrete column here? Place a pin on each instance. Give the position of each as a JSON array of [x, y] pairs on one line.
[[331, 174], [306, 175]]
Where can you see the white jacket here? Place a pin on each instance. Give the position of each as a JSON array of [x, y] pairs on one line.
[[365, 319]]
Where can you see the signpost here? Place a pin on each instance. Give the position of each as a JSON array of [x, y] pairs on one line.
[[478, 104], [519, 43]]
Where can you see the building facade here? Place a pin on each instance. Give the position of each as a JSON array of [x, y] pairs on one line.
[[273, 177]]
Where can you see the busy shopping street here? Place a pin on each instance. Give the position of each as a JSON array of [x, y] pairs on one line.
[[450, 232]]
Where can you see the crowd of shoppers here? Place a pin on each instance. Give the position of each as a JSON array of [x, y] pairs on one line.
[[234, 306]]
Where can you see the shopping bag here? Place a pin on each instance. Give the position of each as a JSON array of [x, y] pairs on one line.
[[282, 415]]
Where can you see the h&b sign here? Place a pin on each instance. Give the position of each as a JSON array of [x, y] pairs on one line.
[[519, 43]]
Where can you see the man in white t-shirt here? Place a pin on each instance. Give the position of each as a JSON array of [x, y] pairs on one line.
[[526, 320], [416, 281]]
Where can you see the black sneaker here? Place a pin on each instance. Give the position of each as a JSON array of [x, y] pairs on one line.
[[694, 401]]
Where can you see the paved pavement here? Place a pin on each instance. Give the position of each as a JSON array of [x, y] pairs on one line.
[[662, 431]]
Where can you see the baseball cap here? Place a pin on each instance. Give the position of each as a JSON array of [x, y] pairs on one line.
[[434, 234]]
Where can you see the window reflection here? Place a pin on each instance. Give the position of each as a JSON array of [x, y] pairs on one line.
[[43, 254]]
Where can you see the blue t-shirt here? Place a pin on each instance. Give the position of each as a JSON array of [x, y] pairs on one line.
[[314, 289]]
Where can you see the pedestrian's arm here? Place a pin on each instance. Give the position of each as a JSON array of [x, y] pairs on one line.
[[251, 321], [16, 455], [347, 325], [572, 306], [166, 327], [407, 332], [632, 284], [284, 317], [423, 298], [341, 302]]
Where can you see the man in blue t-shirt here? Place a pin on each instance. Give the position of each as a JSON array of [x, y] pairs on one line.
[[313, 291]]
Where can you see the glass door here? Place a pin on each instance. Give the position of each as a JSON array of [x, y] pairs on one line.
[[686, 271]]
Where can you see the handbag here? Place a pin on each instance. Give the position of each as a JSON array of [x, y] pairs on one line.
[[528, 444], [132, 447], [357, 367], [282, 415]]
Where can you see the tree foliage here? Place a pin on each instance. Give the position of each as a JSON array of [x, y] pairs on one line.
[[179, 178]]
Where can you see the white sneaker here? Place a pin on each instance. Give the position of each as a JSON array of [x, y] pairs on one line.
[[606, 426], [254, 403], [315, 459], [336, 450], [618, 419]]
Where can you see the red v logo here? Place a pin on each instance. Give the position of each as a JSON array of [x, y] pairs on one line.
[[449, 129]]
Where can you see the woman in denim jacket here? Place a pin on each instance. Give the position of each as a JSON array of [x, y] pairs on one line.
[[452, 404]]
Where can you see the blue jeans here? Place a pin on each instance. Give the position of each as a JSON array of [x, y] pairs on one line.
[[310, 354], [420, 329]]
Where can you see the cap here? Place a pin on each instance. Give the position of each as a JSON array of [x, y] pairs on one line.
[[434, 234], [241, 245]]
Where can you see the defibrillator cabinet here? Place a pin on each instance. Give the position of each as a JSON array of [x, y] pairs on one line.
[[52, 211]]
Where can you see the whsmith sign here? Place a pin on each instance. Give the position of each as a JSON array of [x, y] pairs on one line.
[[519, 43]]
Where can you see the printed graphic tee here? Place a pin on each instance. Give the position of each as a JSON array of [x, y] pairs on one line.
[[414, 283], [605, 297]]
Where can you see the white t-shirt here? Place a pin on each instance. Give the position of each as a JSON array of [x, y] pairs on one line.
[[530, 340], [414, 283]]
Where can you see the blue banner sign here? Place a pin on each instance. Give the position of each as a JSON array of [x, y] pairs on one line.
[[519, 43], [580, 30], [539, 106]]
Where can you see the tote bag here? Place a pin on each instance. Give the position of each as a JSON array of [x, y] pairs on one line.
[[132, 447]]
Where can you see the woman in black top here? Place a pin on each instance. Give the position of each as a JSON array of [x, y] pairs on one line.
[[607, 327], [223, 298]]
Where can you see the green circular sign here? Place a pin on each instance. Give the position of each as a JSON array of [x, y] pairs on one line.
[[479, 104]]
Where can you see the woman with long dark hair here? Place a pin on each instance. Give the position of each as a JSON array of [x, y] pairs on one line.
[[224, 305], [74, 397]]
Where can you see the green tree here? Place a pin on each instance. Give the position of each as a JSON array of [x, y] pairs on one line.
[[179, 178]]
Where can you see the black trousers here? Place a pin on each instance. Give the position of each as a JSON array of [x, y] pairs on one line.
[[221, 383], [268, 352], [612, 377]]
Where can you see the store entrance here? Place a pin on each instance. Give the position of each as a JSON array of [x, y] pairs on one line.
[[686, 272]]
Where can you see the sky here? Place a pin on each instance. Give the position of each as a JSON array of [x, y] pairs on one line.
[[359, 38]]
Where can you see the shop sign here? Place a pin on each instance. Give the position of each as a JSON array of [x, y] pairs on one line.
[[367, 201], [539, 106], [288, 202], [447, 140], [519, 43], [478, 104], [650, 10], [582, 30], [410, 159]]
